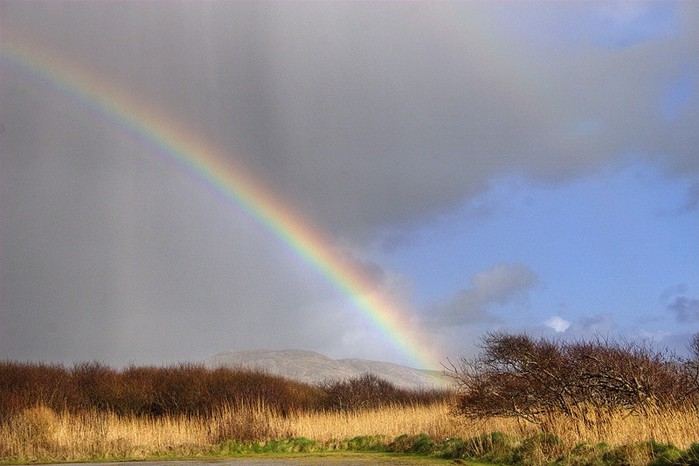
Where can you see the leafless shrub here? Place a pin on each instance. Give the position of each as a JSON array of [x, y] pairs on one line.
[[516, 375], [628, 375], [186, 390], [369, 391], [691, 368]]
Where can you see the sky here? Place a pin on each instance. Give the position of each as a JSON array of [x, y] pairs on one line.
[[482, 166]]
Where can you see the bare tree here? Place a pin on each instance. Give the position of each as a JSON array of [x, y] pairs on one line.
[[516, 375]]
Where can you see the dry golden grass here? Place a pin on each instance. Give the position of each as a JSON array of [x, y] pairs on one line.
[[40, 434], [390, 421], [677, 427]]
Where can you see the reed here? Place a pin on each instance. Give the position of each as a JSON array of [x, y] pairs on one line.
[[387, 421], [42, 434]]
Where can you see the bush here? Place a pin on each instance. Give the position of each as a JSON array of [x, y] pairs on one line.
[[585, 454], [671, 456], [517, 376], [187, 390], [369, 391], [495, 447], [539, 449], [365, 443], [421, 444]]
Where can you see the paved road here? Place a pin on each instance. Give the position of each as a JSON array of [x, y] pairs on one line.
[[316, 459]]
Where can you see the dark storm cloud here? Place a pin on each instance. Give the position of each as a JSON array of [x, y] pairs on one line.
[[341, 106]]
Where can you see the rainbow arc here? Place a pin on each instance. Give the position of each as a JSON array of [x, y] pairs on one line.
[[218, 170]]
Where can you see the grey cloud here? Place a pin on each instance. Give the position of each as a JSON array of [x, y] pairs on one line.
[[372, 272], [678, 343], [691, 203], [340, 106], [688, 205], [133, 262], [671, 291], [501, 284], [686, 310], [600, 324]]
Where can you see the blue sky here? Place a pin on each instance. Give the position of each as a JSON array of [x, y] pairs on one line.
[[516, 166], [609, 243]]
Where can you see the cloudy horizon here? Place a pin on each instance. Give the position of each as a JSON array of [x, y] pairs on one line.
[[489, 166]]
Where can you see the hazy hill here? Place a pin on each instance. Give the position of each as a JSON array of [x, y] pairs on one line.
[[314, 368]]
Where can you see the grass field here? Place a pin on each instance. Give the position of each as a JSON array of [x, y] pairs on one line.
[[93, 413], [42, 435]]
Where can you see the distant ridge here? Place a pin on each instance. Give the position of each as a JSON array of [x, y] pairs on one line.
[[315, 368]]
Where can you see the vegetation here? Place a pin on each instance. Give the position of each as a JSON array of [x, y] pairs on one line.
[[539, 379], [521, 402], [187, 390], [91, 411], [584, 402]]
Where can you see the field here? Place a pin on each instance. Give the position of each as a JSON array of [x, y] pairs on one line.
[[90, 412], [41, 434]]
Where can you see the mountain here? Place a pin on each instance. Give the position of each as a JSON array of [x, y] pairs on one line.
[[315, 368]]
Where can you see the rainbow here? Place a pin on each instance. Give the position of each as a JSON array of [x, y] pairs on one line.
[[219, 172]]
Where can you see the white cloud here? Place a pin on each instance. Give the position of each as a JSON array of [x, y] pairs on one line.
[[557, 323]]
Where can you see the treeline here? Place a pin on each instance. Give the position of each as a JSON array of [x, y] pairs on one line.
[[186, 389], [537, 379]]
